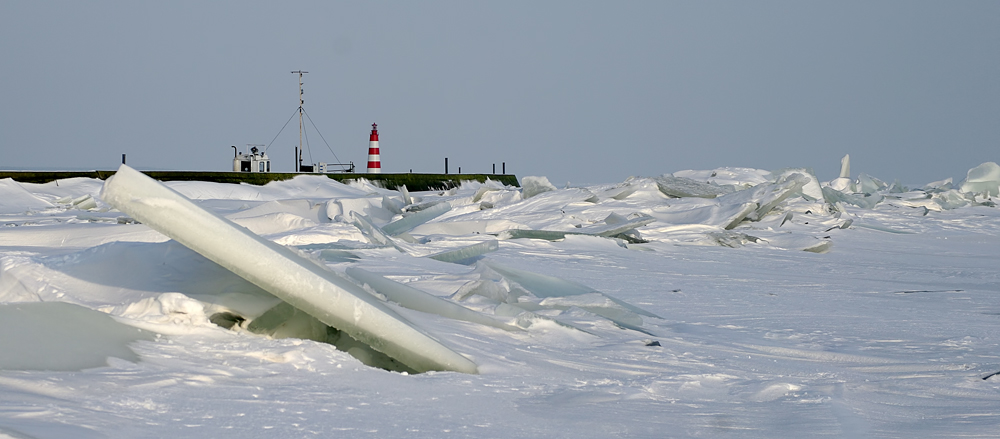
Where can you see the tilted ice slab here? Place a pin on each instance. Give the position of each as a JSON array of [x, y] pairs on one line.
[[984, 178], [304, 284], [407, 223], [375, 234]]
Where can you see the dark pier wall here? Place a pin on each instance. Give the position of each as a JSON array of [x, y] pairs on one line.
[[413, 182]]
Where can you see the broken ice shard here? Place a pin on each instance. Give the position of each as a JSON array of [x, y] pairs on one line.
[[407, 223], [304, 284], [810, 190], [869, 185], [680, 187], [617, 225], [467, 252], [726, 216], [834, 196], [614, 226], [766, 196], [845, 166], [844, 183], [374, 233], [531, 186], [548, 235], [549, 286], [415, 299]]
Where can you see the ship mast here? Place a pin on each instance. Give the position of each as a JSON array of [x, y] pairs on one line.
[[301, 103]]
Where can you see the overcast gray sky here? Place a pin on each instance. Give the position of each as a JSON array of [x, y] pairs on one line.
[[579, 91]]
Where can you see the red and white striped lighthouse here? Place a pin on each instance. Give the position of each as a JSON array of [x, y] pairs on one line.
[[374, 162]]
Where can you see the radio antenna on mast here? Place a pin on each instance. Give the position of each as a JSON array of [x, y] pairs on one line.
[[302, 102]]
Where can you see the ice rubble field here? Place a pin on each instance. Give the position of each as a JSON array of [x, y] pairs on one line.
[[725, 303]]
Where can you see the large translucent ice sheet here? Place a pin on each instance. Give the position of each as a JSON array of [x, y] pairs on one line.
[[302, 283], [983, 178]]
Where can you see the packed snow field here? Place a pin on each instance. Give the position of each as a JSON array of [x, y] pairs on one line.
[[725, 303]]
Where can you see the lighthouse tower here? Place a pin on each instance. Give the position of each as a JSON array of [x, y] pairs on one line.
[[374, 162]]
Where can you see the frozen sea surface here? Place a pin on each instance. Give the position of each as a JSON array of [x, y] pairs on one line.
[[887, 327]]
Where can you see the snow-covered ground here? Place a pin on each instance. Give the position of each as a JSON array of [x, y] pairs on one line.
[[725, 303]]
